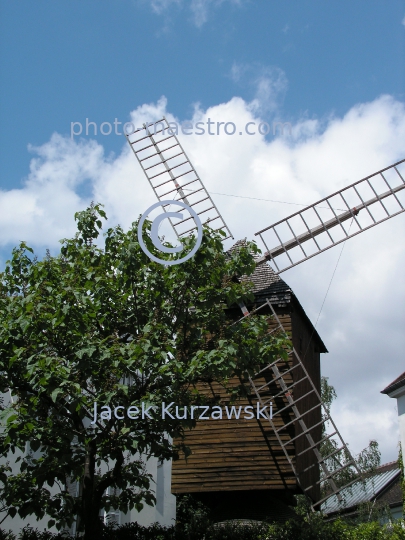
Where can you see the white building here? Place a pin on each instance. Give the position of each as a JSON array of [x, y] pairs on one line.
[[397, 390], [164, 512]]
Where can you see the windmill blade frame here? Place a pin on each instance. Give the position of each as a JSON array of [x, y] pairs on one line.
[[308, 232], [286, 376], [171, 175]]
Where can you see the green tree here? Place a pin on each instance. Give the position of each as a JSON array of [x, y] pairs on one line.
[[108, 325], [367, 460]]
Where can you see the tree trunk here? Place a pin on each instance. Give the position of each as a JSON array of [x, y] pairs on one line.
[[90, 519]]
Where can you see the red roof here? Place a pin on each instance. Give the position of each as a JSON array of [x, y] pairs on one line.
[[399, 381]]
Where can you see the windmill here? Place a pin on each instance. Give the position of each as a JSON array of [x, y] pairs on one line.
[[287, 447]]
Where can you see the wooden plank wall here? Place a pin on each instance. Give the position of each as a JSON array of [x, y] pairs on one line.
[[306, 346], [229, 455]]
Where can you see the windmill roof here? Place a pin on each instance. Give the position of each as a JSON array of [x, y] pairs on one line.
[[266, 283], [397, 383], [269, 285], [382, 485]]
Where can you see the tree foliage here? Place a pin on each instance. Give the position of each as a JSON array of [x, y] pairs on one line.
[[108, 325], [367, 460]]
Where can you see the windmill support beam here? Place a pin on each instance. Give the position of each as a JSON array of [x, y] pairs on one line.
[[300, 239], [307, 236]]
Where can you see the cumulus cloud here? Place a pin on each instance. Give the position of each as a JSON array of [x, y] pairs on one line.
[[363, 316]]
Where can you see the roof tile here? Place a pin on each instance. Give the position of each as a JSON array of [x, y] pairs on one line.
[[399, 381]]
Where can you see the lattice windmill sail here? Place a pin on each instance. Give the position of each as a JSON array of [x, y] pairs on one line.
[[291, 383], [172, 176], [295, 433], [335, 218]]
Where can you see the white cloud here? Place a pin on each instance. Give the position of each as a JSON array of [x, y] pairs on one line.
[[41, 212], [199, 8], [269, 85], [238, 71], [403, 21], [369, 423], [363, 317], [160, 6]]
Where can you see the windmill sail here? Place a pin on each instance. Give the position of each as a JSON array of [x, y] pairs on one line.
[[172, 176], [335, 218], [338, 468]]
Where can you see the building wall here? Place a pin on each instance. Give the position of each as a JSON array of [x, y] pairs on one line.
[[237, 455], [308, 350], [231, 454], [399, 395], [164, 512], [15, 524], [401, 418]]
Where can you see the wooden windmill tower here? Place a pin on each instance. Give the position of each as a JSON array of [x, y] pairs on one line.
[[259, 464]]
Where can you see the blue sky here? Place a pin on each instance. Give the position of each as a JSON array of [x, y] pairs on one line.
[[335, 70], [64, 62]]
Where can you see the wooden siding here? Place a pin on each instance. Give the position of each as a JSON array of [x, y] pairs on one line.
[[242, 454], [309, 353]]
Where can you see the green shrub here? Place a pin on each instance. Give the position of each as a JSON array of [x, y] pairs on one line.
[[310, 527], [193, 518], [374, 531], [238, 531], [28, 533], [134, 531], [6, 535]]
